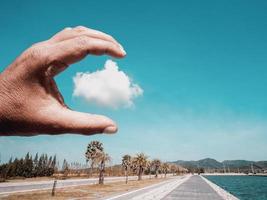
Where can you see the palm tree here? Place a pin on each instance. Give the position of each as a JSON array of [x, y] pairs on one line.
[[102, 158], [174, 169], [93, 149], [149, 168], [156, 163], [139, 163], [126, 163], [165, 168]]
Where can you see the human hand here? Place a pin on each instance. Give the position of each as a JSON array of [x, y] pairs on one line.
[[30, 102]]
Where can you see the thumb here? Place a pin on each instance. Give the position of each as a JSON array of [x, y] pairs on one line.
[[69, 121]]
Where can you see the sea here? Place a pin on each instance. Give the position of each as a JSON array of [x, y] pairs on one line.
[[243, 187]]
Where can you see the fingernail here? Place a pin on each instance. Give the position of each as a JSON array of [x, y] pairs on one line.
[[110, 129], [122, 49]]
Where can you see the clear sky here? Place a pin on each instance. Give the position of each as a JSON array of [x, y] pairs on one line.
[[202, 66]]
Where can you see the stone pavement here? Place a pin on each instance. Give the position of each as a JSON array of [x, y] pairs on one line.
[[193, 189]]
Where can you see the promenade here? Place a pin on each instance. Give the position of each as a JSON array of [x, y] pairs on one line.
[[194, 188], [181, 188]]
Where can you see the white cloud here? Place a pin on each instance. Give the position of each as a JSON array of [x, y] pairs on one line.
[[108, 87]]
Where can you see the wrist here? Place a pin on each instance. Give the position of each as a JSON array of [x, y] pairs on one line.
[[5, 119]]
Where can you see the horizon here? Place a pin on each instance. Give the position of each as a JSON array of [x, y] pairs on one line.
[[201, 66], [112, 164]]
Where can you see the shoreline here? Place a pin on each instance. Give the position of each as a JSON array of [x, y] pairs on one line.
[[220, 191], [224, 174], [233, 174]]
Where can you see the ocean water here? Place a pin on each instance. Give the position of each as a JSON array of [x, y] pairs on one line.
[[243, 187]]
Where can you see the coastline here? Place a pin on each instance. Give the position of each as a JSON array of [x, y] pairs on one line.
[[224, 174], [220, 191]]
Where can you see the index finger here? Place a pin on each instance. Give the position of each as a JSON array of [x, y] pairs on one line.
[[69, 33], [73, 50]]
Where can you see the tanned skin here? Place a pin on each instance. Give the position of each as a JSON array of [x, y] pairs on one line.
[[30, 102]]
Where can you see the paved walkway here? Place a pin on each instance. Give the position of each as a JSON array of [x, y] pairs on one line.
[[152, 192], [193, 189]]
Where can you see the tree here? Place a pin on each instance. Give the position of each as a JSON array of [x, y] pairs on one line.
[[201, 170], [165, 169], [149, 168], [3, 172], [10, 170], [54, 162], [139, 162], [126, 164], [19, 167], [156, 163], [40, 166], [45, 165], [102, 158], [35, 165], [93, 149], [65, 168], [174, 169], [27, 166]]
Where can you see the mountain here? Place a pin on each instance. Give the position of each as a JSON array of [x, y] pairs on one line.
[[237, 163], [204, 163], [209, 163], [262, 164]]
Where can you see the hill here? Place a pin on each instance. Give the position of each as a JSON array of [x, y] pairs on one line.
[[209, 163], [204, 163]]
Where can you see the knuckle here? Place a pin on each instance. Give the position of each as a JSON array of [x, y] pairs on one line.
[[80, 28], [82, 40], [100, 33], [36, 53], [108, 36]]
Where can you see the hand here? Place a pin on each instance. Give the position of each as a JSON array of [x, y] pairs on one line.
[[30, 103]]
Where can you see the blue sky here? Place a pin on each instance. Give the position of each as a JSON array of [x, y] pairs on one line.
[[202, 66]]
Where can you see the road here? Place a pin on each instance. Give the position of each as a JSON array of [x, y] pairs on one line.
[[8, 188]]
